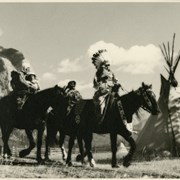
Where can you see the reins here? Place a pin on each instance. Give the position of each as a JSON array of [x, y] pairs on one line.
[[144, 94]]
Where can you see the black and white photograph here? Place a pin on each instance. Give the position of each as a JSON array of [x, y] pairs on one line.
[[89, 89]]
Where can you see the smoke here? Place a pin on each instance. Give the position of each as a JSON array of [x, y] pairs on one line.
[[5, 68], [10, 59]]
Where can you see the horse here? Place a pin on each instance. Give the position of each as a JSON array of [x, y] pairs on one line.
[[30, 117], [87, 122], [55, 124], [53, 127]]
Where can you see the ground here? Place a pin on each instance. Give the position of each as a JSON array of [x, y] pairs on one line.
[[28, 168]]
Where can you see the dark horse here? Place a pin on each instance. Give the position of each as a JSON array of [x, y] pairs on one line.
[[112, 123], [30, 117]]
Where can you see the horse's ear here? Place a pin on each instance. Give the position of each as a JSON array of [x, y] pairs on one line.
[[150, 86], [56, 86], [143, 84], [57, 89]]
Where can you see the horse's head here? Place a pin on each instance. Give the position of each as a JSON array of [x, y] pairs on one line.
[[149, 102]]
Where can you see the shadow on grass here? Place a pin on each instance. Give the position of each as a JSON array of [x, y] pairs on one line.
[[107, 161], [29, 161], [103, 161]]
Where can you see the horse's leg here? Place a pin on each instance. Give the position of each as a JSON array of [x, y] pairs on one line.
[[5, 137], [88, 146], [70, 146], [78, 157], [47, 148], [51, 134], [81, 149], [32, 144], [128, 137], [113, 137], [61, 145], [39, 142]]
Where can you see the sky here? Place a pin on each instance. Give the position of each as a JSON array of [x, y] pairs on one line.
[[59, 39]]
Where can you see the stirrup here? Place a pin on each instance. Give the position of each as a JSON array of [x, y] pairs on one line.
[[101, 121], [77, 119], [68, 110]]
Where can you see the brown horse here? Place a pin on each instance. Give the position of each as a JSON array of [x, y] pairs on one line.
[[112, 124]]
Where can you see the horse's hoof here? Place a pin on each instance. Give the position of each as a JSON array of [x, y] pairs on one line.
[[78, 158], [47, 160], [64, 155], [92, 163], [69, 164], [115, 166], [23, 153], [83, 164], [126, 164], [7, 156], [64, 158], [42, 162], [126, 161]]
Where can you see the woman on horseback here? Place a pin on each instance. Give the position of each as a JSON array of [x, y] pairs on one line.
[[23, 83]]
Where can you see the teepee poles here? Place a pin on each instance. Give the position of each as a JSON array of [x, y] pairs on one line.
[[168, 55]]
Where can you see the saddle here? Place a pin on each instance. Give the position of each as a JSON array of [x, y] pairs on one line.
[[110, 99], [101, 107], [20, 98]]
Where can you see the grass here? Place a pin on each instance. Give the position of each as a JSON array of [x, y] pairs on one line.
[[28, 168]]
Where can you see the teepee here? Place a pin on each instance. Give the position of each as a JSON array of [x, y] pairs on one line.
[[161, 135]]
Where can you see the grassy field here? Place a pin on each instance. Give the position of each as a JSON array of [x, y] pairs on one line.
[[28, 168]]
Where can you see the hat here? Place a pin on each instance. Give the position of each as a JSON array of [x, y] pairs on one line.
[[26, 67], [31, 73], [71, 82]]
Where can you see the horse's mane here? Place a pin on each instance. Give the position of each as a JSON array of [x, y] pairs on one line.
[[129, 95], [43, 92], [40, 97]]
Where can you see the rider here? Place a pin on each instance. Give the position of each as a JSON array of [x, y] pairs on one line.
[[31, 78], [23, 83], [105, 83], [104, 79], [73, 95]]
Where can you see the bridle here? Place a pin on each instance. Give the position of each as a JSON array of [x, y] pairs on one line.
[[142, 93]]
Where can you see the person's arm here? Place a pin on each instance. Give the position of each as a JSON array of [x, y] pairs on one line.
[[34, 85]]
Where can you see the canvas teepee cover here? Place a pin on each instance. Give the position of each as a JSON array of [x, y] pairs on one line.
[[161, 133]]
